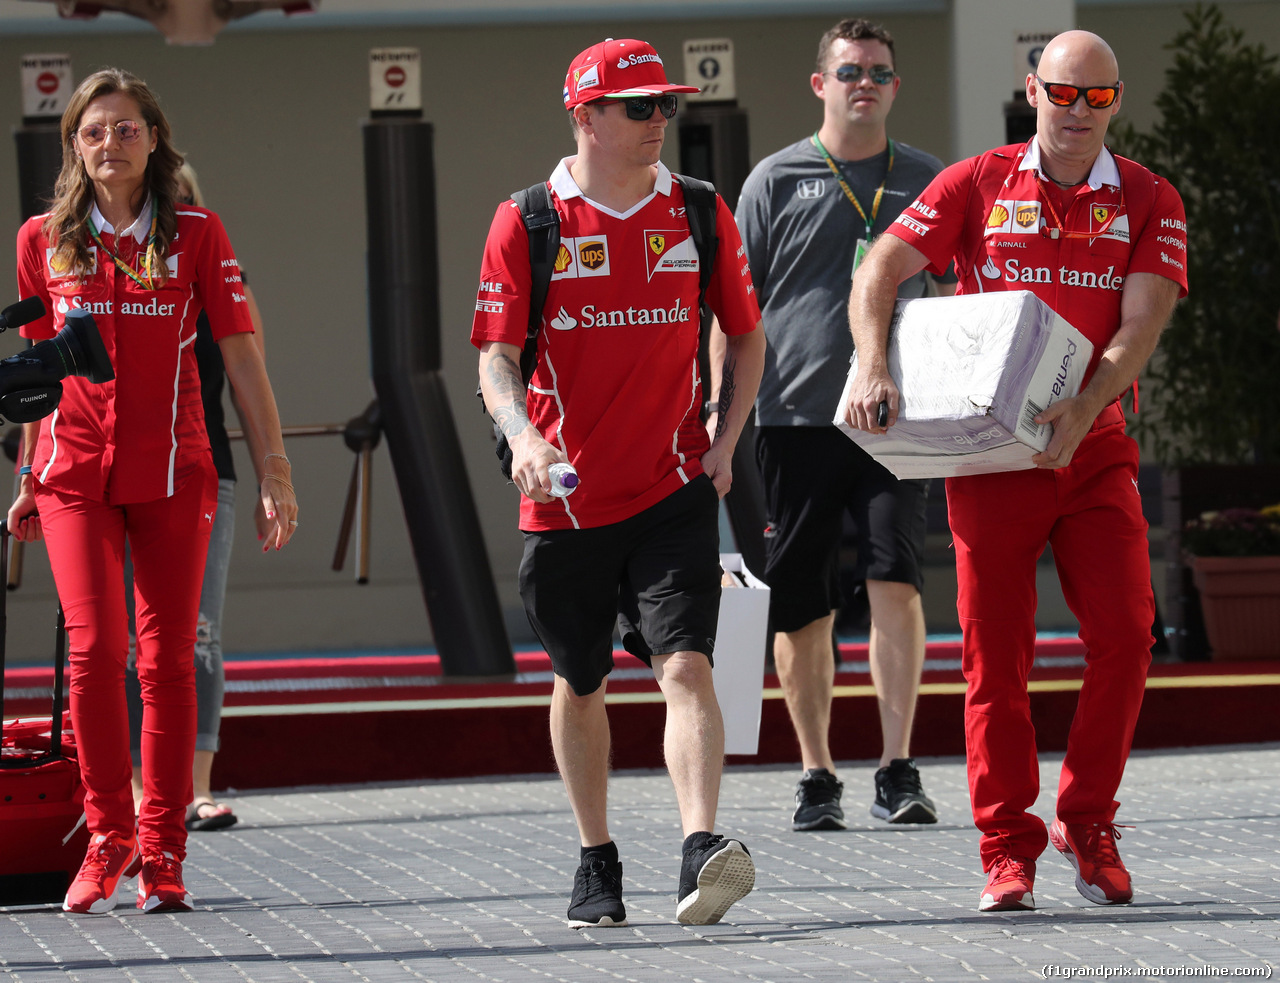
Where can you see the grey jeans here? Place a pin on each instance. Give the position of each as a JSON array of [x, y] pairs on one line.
[[208, 657]]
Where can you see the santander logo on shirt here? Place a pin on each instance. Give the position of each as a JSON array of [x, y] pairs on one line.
[[591, 316], [150, 308]]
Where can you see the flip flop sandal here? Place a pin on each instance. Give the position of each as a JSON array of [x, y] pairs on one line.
[[221, 817]]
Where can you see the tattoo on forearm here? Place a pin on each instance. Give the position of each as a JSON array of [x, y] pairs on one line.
[[727, 389], [504, 380]]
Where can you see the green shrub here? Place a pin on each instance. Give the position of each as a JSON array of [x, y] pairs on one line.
[[1214, 383]]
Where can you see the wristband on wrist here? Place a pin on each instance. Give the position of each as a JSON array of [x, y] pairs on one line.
[[25, 469]]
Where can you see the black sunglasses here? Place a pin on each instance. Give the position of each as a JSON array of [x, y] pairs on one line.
[[880, 74], [641, 107], [1095, 96]]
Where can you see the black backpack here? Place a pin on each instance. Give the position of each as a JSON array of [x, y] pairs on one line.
[[543, 225]]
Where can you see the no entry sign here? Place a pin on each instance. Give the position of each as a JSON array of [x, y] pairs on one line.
[[395, 80], [46, 85]]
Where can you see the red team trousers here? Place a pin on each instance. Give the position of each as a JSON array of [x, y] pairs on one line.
[[1090, 512], [168, 539]]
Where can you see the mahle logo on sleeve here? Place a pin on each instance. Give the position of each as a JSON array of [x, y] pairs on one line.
[[670, 251], [581, 256]]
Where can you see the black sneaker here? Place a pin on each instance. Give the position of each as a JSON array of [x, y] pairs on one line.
[[899, 797], [714, 874], [597, 895], [818, 802]]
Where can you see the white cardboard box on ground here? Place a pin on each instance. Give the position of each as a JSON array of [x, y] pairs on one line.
[[973, 372], [738, 673]]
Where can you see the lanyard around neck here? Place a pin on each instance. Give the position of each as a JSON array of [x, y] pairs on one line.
[[848, 192], [1057, 231], [150, 260]]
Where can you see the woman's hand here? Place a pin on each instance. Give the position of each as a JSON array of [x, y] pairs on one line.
[[279, 504], [23, 521]]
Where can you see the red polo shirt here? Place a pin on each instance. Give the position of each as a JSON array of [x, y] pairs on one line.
[[616, 385], [995, 217], [138, 437]]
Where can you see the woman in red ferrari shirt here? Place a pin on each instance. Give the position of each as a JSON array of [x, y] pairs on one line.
[[129, 460]]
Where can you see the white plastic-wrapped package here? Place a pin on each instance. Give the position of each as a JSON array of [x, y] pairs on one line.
[[973, 373]]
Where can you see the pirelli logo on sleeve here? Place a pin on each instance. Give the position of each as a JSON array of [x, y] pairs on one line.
[[581, 256]]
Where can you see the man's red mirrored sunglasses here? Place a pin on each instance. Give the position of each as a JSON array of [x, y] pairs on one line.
[[1095, 96]]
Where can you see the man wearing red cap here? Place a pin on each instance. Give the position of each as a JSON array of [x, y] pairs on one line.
[[616, 393]]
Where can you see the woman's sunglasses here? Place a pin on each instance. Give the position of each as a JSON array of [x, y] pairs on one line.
[[1095, 96], [127, 131]]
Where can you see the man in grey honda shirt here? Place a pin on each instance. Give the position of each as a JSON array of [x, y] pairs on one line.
[[807, 214]]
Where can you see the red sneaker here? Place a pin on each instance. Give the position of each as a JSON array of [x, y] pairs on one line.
[[108, 859], [160, 887], [1091, 847], [1009, 884]]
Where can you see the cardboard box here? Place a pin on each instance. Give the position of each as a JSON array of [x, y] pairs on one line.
[[973, 373], [738, 673]]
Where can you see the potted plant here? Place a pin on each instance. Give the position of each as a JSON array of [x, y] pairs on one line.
[[1211, 405], [1235, 555]]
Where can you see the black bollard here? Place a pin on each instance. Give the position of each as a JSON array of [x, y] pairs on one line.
[[404, 336], [39, 160]]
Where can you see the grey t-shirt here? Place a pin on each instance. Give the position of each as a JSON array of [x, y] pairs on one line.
[[800, 233]]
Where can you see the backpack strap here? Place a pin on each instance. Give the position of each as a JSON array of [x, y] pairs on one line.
[[700, 211], [543, 225]]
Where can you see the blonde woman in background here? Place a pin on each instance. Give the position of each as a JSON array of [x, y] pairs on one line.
[[205, 813]]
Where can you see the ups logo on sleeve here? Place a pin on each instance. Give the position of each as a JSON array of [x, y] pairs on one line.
[[593, 253]]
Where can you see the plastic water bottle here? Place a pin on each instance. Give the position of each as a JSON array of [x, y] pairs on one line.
[[564, 479]]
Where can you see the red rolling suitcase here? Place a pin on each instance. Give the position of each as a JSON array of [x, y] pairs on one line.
[[43, 837]]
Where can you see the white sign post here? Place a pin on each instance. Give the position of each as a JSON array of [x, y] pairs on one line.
[[46, 85], [1027, 48], [708, 64], [395, 80]]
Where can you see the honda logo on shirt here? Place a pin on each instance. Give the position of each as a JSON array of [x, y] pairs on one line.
[[809, 188]]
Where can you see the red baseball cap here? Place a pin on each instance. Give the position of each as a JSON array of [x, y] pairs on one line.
[[617, 70]]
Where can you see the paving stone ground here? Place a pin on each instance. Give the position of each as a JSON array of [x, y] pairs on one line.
[[450, 881]]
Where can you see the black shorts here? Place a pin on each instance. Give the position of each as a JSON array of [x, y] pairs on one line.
[[656, 574], [812, 475]]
